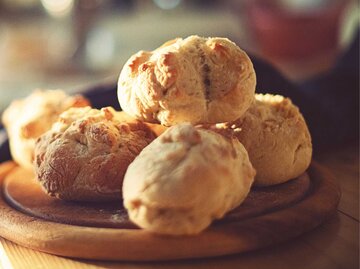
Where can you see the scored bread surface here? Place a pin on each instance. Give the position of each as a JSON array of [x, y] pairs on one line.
[[196, 80]]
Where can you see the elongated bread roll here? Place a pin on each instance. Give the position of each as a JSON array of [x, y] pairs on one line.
[[185, 179]]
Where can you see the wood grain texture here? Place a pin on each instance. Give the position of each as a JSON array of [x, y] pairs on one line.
[[24, 193], [6, 167], [26, 258], [227, 238], [330, 246]]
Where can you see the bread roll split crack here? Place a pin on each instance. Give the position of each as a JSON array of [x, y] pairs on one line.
[[196, 80]]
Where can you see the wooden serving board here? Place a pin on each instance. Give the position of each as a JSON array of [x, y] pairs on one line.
[[103, 231]]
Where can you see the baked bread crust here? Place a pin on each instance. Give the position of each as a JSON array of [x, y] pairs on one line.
[[196, 80], [157, 129], [276, 136], [25, 120], [86, 153], [185, 179]]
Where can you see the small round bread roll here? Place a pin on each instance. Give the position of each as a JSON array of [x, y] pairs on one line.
[[196, 80], [25, 120], [185, 179], [278, 141], [86, 153]]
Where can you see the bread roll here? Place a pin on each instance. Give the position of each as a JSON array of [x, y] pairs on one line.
[[185, 179], [86, 153], [25, 120], [157, 129], [196, 80], [276, 136]]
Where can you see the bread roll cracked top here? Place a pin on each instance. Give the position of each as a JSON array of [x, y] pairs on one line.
[[185, 179], [196, 80], [276, 136], [26, 119], [86, 153]]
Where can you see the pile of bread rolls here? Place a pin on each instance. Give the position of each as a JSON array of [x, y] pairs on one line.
[[26, 120], [192, 139]]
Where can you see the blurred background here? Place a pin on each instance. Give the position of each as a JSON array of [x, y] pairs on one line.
[[70, 44]]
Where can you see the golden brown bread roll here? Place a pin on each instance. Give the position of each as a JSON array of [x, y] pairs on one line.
[[25, 120], [196, 80], [276, 136], [86, 153], [157, 129], [185, 179]]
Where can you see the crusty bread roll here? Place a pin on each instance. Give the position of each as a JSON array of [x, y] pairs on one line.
[[86, 153], [25, 120], [157, 129], [278, 141], [196, 80], [185, 179]]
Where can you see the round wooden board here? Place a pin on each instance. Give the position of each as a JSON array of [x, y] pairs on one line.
[[22, 191], [239, 232]]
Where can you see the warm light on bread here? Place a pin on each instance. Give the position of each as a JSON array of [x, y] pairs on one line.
[[26, 119], [276, 136], [196, 80], [185, 179], [86, 153]]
